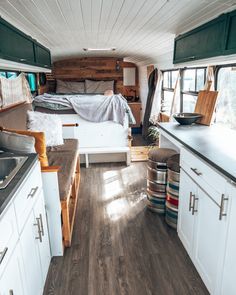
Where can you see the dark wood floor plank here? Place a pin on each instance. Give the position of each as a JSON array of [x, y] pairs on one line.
[[119, 247]]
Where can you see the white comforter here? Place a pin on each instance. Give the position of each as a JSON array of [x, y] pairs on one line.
[[95, 108]]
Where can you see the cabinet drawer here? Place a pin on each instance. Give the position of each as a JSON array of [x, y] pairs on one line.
[[205, 176], [8, 236], [26, 196]]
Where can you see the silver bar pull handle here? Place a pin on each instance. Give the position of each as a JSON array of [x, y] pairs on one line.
[[194, 210], [11, 292], [196, 171], [2, 254], [41, 224], [190, 201], [32, 192], [222, 206], [39, 230]]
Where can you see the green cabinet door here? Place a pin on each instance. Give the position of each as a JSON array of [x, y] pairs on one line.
[[15, 45], [42, 56], [202, 42], [230, 45]]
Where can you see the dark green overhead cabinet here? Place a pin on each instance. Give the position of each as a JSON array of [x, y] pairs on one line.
[[231, 34], [18, 47], [43, 56], [203, 42]]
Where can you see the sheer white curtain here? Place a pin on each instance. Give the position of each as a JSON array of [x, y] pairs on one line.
[[226, 102], [175, 106], [156, 106], [14, 90], [210, 79]]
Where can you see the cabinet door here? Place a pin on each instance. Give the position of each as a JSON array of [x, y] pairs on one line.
[[231, 34], [209, 242], [43, 56], [14, 45], [186, 218], [12, 280], [202, 42], [30, 255], [228, 282], [43, 242]]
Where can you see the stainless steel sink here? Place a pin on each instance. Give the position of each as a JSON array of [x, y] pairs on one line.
[[9, 166]]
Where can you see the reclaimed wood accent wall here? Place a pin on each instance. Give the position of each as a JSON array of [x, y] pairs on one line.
[[93, 68]]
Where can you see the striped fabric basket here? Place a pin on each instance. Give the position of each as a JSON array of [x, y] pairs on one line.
[[172, 198], [156, 201], [157, 178]]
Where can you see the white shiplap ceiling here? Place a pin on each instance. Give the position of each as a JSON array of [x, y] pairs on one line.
[[142, 30]]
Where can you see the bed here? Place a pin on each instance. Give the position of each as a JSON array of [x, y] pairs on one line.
[[106, 140]]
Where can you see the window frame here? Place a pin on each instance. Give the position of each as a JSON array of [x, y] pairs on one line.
[[192, 93], [163, 89], [218, 68]]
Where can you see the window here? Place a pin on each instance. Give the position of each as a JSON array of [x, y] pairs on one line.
[[169, 81], [193, 81], [8, 75], [3, 74], [12, 75], [226, 106]]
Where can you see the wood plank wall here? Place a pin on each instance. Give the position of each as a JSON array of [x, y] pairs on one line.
[[94, 68]]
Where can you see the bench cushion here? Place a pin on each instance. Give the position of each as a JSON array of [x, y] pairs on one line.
[[64, 156]]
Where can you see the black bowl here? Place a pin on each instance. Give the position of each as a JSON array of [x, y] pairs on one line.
[[187, 118]]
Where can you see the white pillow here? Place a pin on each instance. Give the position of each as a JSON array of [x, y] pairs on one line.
[[17, 142], [50, 124], [98, 87], [70, 87]]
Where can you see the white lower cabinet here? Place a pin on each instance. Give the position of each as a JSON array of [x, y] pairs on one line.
[[203, 227], [30, 255], [228, 286], [25, 271], [35, 248], [42, 237], [188, 191], [12, 281], [209, 240]]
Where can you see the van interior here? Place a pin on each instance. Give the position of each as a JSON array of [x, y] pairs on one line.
[[117, 147]]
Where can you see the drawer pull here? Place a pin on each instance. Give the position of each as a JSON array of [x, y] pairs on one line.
[[196, 172], [11, 292], [190, 201], [39, 230], [32, 192], [2, 254], [41, 224], [222, 206], [194, 210]]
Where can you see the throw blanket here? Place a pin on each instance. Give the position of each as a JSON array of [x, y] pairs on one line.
[[95, 108]]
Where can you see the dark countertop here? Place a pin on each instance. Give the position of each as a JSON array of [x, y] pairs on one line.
[[7, 193], [215, 144]]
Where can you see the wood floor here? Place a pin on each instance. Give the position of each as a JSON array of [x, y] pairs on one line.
[[119, 247]]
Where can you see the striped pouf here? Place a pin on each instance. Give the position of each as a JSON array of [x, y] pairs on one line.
[[172, 192], [157, 179]]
